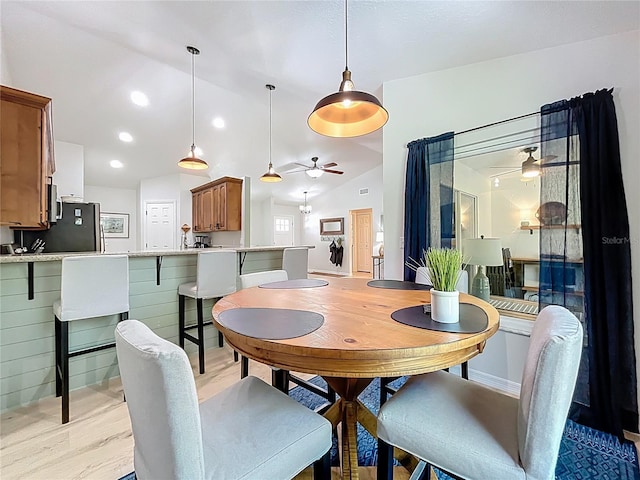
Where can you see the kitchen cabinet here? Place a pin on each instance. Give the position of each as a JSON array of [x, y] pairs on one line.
[[217, 206], [26, 159]]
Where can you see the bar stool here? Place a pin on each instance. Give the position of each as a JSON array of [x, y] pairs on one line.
[[215, 278], [295, 261], [91, 286]]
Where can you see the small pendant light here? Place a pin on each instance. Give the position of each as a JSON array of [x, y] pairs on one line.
[[271, 176], [348, 112], [191, 161], [305, 209]]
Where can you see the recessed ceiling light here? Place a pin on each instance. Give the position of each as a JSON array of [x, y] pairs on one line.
[[125, 137], [139, 98], [218, 122], [116, 164]]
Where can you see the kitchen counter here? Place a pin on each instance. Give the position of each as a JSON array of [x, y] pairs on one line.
[[30, 284], [50, 257]]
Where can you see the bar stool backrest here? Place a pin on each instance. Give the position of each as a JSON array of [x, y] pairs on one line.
[[295, 261], [94, 286], [217, 272], [249, 280]]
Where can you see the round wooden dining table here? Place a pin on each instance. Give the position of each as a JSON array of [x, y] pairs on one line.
[[357, 342]]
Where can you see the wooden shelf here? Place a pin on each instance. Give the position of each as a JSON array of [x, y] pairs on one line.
[[537, 227], [527, 288]]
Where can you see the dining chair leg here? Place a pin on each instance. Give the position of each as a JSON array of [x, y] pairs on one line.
[[244, 367], [220, 340], [385, 461], [322, 467], [465, 370], [181, 320], [200, 335], [235, 356], [280, 379]]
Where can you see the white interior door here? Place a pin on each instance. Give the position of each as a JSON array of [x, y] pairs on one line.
[[283, 230], [160, 226]]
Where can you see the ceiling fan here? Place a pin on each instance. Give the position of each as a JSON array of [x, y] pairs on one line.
[[316, 170], [530, 168]]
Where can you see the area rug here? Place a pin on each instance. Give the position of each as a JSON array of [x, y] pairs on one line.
[[585, 453]]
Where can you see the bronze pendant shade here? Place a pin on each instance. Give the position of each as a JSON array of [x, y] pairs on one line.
[[348, 112], [191, 161]]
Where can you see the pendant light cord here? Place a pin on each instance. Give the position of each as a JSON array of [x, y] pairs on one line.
[[270, 95], [346, 38], [193, 101]]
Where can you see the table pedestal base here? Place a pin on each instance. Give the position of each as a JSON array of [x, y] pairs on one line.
[[348, 411]]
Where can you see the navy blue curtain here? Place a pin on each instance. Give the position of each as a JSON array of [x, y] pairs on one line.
[[428, 201], [607, 263], [585, 256]]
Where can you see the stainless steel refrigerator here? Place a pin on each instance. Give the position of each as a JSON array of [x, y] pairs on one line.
[[77, 230]]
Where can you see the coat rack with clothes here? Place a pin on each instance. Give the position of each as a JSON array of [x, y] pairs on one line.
[[337, 251]]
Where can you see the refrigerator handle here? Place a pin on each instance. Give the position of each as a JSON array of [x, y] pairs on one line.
[[102, 240]]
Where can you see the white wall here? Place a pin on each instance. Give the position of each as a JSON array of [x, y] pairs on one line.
[[337, 203], [69, 174], [482, 93], [116, 200]]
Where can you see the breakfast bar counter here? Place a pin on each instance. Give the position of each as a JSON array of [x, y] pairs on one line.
[[30, 284]]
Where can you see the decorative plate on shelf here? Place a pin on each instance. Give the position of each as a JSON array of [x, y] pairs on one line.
[[552, 213]]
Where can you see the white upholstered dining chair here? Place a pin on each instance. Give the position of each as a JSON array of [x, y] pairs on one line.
[[248, 431], [475, 432]]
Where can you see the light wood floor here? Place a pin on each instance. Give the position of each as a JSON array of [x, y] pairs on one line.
[[97, 442]]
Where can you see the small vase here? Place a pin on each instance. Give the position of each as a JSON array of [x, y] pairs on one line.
[[445, 306]]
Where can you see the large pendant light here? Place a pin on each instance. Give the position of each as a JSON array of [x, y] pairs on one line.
[[305, 209], [191, 161], [271, 176], [348, 112]]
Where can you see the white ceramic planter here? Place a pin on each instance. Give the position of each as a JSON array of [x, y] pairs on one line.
[[445, 306]]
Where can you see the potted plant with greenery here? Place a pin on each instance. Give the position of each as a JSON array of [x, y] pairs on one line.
[[444, 266]]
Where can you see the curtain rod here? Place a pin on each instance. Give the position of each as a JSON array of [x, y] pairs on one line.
[[497, 123]]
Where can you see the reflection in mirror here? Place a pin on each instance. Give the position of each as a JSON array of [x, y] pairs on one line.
[[332, 226]]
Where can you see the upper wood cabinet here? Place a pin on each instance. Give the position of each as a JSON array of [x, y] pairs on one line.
[[26, 159], [217, 206]]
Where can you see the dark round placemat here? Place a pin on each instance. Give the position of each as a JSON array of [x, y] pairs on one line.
[[473, 319], [398, 285], [298, 283], [270, 323]]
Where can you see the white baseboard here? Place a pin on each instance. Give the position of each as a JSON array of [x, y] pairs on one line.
[[329, 272], [506, 386]]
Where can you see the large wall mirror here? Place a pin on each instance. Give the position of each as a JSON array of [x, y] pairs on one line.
[[332, 226]]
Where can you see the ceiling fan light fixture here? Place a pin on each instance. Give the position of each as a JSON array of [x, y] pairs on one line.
[[271, 176], [348, 112], [530, 168], [191, 161], [315, 172]]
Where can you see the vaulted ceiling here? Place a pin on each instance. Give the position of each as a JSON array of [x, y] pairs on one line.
[[89, 56]]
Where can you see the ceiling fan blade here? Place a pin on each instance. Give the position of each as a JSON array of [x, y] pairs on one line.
[[547, 158], [296, 171], [329, 165], [506, 166], [332, 171], [302, 165]]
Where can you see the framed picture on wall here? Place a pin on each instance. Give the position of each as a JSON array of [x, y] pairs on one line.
[[114, 225]]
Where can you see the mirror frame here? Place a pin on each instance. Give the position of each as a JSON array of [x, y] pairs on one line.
[[324, 224]]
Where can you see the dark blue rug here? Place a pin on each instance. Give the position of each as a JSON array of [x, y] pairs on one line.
[[585, 454]]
